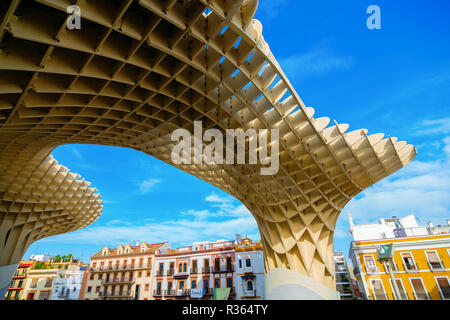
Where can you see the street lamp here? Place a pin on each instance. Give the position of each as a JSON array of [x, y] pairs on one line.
[[385, 253]]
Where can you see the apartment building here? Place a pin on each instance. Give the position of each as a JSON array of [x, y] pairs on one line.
[[421, 260], [68, 282], [344, 281], [193, 272], [40, 283], [249, 275], [122, 273], [17, 286]]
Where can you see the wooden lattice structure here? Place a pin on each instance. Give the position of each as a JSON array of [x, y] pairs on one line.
[[138, 70]]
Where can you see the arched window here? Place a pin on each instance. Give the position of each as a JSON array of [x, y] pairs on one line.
[[249, 286]]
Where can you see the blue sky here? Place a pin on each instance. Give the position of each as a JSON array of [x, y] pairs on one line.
[[395, 80]]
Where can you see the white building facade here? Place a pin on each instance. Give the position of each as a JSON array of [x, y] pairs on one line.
[[249, 275], [67, 284], [388, 229]]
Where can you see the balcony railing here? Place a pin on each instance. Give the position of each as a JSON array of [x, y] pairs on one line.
[[206, 270], [128, 267], [248, 270], [218, 269], [110, 294], [181, 274], [249, 293], [117, 281], [158, 293]]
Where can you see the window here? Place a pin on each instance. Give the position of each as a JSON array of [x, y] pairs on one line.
[[181, 286], [89, 289], [408, 262], [229, 265], [248, 262], [147, 274], [158, 288], [185, 267], [240, 263], [180, 266], [216, 283], [171, 268], [229, 282], [100, 276], [419, 290], [194, 266], [206, 264], [97, 289], [401, 289], [378, 290], [217, 264], [161, 268], [147, 287], [169, 287], [205, 283], [139, 274], [433, 260], [371, 266], [193, 284], [249, 286], [444, 287]]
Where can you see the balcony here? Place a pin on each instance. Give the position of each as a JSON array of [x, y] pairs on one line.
[[181, 275], [218, 269], [128, 267], [436, 266], [181, 293], [248, 270], [160, 273], [119, 294], [117, 281], [206, 270], [158, 293], [248, 294]]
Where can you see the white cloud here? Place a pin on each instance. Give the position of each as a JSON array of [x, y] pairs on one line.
[[270, 9], [315, 62], [193, 225], [215, 198], [438, 126], [147, 185]]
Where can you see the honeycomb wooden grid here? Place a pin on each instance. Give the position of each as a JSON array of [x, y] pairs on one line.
[[138, 70]]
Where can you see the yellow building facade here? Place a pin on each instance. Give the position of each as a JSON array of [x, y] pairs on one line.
[[421, 268]]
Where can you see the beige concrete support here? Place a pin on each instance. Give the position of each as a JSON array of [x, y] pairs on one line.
[[283, 284], [6, 274], [136, 71]]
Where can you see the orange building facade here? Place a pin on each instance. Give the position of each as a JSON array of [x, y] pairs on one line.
[[122, 273], [421, 268]]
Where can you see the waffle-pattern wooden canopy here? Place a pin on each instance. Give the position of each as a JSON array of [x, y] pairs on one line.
[[138, 70]]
